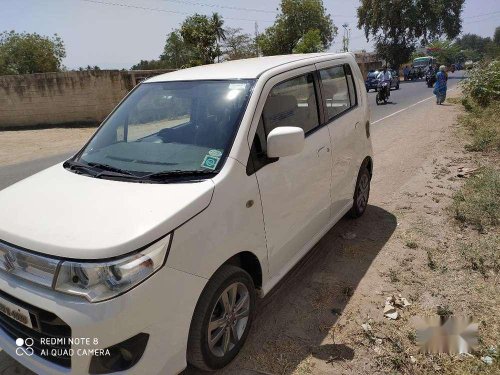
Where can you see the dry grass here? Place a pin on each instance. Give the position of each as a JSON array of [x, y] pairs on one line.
[[478, 203], [483, 126]]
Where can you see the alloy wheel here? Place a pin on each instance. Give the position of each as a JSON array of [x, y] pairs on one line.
[[229, 319], [363, 192]]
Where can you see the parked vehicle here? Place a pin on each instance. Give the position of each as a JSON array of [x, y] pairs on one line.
[[372, 82], [382, 93], [156, 239]]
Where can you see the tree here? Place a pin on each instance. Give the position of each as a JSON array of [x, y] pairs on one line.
[[496, 37], [398, 26], [25, 53], [394, 52], [309, 43], [297, 18], [238, 45], [473, 42], [177, 53], [199, 32], [151, 65], [89, 68], [476, 47], [445, 51], [218, 30]]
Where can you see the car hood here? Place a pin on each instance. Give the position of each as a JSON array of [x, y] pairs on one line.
[[60, 213]]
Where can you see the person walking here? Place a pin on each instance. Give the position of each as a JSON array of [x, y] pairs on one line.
[[406, 71], [440, 85]]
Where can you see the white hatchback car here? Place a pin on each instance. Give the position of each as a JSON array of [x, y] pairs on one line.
[[148, 249]]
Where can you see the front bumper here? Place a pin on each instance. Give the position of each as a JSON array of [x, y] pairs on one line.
[[162, 307]]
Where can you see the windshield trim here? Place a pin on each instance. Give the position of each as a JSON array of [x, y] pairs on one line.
[[251, 81]]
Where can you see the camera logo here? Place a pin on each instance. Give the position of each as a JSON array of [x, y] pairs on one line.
[[22, 350]]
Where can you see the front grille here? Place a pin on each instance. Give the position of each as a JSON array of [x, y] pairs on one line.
[[45, 325]]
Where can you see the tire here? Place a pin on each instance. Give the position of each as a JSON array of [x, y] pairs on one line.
[[397, 86], [199, 352], [362, 188]]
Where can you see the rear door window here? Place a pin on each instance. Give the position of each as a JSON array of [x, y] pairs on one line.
[[336, 90]]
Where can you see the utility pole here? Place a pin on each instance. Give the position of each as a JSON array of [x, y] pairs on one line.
[[345, 38], [256, 38]]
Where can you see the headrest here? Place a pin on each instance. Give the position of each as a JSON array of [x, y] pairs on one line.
[[279, 108]]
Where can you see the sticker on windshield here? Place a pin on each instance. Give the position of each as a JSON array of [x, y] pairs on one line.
[[216, 153], [210, 162]]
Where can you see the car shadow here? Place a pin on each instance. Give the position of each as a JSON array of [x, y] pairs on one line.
[[296, 316]]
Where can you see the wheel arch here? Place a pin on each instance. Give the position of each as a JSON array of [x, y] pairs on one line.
[[249, 262]]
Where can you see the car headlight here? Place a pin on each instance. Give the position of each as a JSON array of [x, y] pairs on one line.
[[99, 281]]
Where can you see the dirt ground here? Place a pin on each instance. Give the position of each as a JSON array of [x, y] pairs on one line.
[[23, 145], [405, 243]]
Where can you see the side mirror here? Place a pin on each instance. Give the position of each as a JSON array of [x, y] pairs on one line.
[[285, 141]]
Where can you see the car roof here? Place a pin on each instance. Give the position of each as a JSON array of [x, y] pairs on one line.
[[242, 69]]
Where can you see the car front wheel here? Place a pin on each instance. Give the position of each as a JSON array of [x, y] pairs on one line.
[[222, 319]]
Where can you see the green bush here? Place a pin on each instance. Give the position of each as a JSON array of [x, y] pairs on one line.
[[483, 83]]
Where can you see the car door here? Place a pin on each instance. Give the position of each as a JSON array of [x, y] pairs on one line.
[[295, 190], [343, 117]]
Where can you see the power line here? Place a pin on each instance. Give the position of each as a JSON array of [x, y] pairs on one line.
[[482, 20], [484, 14], [221, 6], [162, 10]]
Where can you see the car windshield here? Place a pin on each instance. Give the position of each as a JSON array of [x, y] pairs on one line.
[[165, 128], [421, 62], [373, 74]]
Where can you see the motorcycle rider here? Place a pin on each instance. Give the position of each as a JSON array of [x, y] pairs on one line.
[[385, 76]]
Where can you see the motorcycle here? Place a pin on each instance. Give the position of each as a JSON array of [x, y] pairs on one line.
[[382, 92]]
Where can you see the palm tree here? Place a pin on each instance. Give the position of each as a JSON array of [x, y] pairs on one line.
[[220, 33]]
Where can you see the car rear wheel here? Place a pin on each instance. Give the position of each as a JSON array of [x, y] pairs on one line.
[[222, 319], [361, 193]]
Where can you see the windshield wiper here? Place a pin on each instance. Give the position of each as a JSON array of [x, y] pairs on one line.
[[178, 173], [97, 169], [110, 168], [74, 165]]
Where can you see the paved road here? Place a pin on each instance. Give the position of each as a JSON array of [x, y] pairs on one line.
[[410, 94]]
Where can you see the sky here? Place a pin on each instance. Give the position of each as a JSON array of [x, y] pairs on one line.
[[115, 34]]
